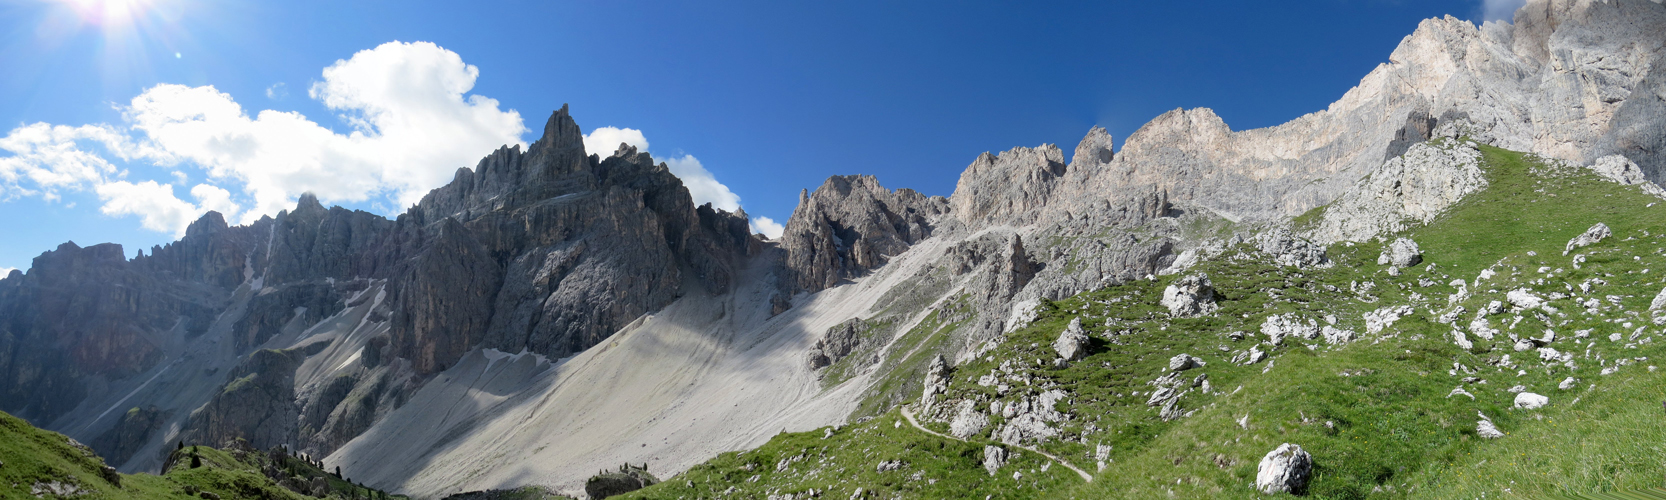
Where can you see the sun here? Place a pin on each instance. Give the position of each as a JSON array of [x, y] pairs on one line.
[[108, 13]]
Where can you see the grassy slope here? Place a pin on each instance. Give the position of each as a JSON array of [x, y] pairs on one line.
[[32, 456], [1374, 413]]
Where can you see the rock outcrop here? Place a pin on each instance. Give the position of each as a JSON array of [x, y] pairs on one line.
[[1402, 252], [258, 404], [626, 479], [1072, 342], [131, 433], [1408, 189], [851, 225], [839, 341], [1190, 296]]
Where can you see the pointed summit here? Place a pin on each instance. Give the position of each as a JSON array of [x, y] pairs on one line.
[[561, 132]]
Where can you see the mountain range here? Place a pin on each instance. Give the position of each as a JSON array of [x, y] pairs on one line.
[[554, 311]]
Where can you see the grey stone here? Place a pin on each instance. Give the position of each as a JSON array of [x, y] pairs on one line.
[[968, 421], [1413, 188], [1287, 249], [1403, 252], [1286, 469], [1190, 296], [994, 457], [1530, 401], [1072, 342], [1486, 430], [1280, 326], [1589, 237], [1182, 362]]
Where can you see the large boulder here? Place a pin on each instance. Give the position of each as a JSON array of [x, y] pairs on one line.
[[1073, 341], [1589, 237], [1403, 252], [994, 457], [1183, 362], [1190, 296], [1531, 401], [968, 421], [1284, 470]]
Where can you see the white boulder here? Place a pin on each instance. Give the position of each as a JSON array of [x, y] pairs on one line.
[[1590, 237], [1284, 470], [1073, 341], [1531, 401], [1190, 296], [1524, 299], [993, 458], [1403, 252], [1376, 321], [1182, 362], [968, 421]]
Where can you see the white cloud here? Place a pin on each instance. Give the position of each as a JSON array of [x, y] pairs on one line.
[[767, 227], [1500, 10], [46, 159], [701, 184], [604, 141], [157, 207], [411, 127], [277, 91]]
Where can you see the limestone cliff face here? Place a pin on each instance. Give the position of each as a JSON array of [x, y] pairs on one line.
[[851, 225], [1009, 188], [257, 404], [89, 312]]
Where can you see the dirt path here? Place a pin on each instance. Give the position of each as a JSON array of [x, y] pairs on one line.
[[909, 415]]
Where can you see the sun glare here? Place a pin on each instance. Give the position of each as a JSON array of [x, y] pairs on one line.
[[107, 13]]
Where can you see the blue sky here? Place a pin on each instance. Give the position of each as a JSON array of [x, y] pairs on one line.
[[125, 119]]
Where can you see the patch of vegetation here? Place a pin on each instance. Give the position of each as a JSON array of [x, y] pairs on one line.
[[35, 463], [884, 457]]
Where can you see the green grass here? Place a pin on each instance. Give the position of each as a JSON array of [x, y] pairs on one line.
[[32, 457], [1375, 413], [837, 466]]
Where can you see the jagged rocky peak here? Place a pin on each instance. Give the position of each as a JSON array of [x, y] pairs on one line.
[[1094, 150], [1008, 188], [554, 165], [851, 225]]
